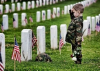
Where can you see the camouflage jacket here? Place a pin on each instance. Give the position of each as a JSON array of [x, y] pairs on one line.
[[74, 32], [43, 57]]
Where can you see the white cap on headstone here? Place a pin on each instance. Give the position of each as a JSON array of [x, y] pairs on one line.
[[53, 37], [63, 29], [26, 44], [2, 41], [13, 7], [48, 14], [85, 27], [15, 15], [41, 39], [38, 16], [5, 22], [93, 23]]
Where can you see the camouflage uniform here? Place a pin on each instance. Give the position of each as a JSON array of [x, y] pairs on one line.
[[43, 57], [74, 36]]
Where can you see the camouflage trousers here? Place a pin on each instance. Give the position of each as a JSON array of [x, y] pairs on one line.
[[76, 50]]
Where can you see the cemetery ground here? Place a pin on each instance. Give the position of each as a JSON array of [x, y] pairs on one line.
[[63, 62]]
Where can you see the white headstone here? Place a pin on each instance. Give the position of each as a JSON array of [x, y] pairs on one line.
[[65, 10], [23, 19], [28, 5], [85, 26], [89, 19], [5, 22], [18, 7], [44, 2], [33, 4], [47, 2], [54, 1], [50, 2], [49, 14], [43, 15], [93, 23], [68, 8], [26, 44], [40, 1], [54, 12], [97, 19], [12, 1], [15, 15], [2, 1], [1, 8], [58, 11], [2, 41], [53, 37], [71, 6], [41, 39], [37, 3], [38, 16], [13, 7], [24, 5], [16, 0], [7, 8], [63, 29]]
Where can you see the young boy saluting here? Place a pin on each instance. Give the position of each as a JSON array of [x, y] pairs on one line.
[[74, 33]]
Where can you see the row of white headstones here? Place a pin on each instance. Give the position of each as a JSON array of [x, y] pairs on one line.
[[30, 4], [56, 13], [26, 38]]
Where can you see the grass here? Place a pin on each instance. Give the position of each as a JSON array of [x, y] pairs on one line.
[[63, 62]]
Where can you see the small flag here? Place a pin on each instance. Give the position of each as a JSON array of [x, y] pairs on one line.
[[10, 10], [62, 12], [14, 22], [51, 15], [61, 43], [21, 7], [2, 27], [1, 64], [16, 52], [25, 20], [34, 40], [30, 18], [97, 27], [58, 13], [43, 15], [89, 31]]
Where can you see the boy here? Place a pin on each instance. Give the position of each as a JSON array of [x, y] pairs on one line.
[[74, 33]]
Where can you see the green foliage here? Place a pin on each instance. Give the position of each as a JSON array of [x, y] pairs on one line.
[[63, 62]]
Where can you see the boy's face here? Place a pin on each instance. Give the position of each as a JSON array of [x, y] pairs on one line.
[[76, 13]]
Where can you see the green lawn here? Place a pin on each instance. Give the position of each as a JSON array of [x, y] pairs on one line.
[[63, 62]]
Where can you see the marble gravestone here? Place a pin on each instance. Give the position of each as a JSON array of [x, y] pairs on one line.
[[44, 2], [23, 15], [50, 2], [65, 10], [53, 37], [33, 4], [38, 16], [28, 5], [26, 45], [1, 8], [18, 7], [89, 20], [37, 4], [58, 11], [5, 22], [85, 26], [54, 12], [6, 8], [43, 15], [13, 7], [48, 14], [15, 16], [24, 5], [63, 31], [93, 23], [41, 46], [2, 41]]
